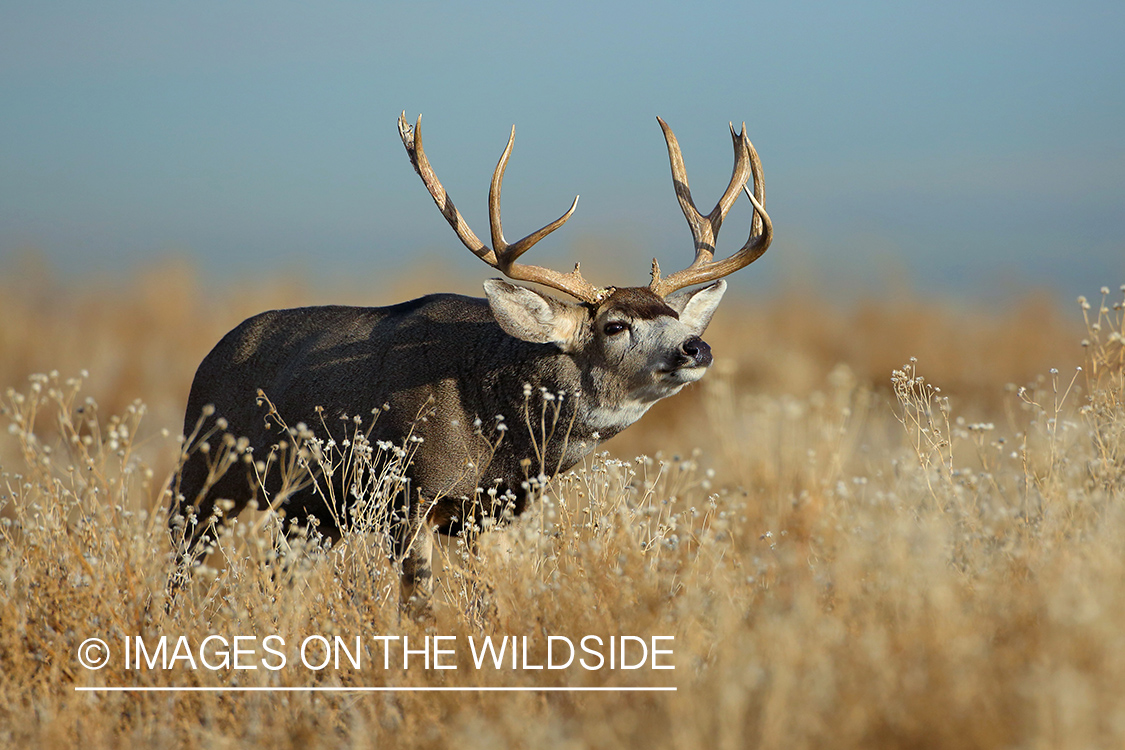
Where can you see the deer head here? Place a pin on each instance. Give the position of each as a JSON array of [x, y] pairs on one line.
[[641, 343]]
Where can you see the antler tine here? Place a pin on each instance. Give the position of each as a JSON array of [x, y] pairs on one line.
[[705, 229], [412, 139], [494, 223], [505, 253], [761, 235], [761, 228], [501, 256]]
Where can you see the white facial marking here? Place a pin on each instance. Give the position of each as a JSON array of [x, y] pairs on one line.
[[685, 375], [618, 416]]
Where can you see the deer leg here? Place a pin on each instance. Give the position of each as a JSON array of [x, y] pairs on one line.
[[481, 609], [417, 571]]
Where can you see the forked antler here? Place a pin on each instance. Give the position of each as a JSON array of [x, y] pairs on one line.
[[501, 256], [705, 229]]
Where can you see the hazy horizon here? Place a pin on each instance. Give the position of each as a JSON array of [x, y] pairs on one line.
[[973, 150]]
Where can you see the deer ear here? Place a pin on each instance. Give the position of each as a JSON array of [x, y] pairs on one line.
[[697, 306], [531, 316]]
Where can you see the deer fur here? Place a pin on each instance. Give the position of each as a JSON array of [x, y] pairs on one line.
[[451, 360], [438, 368]]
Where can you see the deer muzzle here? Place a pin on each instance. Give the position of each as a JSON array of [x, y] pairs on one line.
[[696, 352]]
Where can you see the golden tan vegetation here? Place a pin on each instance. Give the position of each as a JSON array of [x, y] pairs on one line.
[[846, 557]]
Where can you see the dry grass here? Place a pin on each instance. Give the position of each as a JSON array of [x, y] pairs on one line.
[[846, 560]]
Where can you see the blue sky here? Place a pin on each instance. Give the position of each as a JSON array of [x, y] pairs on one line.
[[974, 148]]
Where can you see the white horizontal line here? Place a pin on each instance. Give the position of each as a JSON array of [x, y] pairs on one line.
[[316, 689]]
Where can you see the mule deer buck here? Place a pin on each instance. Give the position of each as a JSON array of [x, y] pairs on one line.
[[443, 363]]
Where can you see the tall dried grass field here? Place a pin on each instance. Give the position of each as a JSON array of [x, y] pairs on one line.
[[892, 523]]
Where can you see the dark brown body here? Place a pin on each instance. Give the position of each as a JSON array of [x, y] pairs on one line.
[[449, 367], [439, 363]]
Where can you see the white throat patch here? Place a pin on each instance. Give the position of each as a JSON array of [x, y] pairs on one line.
[[617, 417]]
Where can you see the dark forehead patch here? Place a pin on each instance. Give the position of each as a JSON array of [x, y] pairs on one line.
[[639, 303]]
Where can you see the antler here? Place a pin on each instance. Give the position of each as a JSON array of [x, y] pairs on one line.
[[705, 229], [501, 256]]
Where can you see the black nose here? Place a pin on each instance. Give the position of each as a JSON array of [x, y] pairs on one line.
[[697, 350]]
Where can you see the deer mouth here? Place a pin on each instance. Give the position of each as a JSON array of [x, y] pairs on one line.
[[691, 361], [688, 372]]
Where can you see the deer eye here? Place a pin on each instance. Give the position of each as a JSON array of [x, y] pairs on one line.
[[612, 329]]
